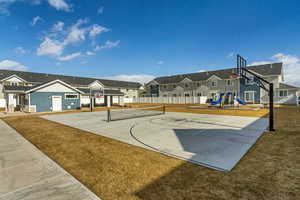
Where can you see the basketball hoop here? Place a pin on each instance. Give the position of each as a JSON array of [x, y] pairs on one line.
[[98, 95]]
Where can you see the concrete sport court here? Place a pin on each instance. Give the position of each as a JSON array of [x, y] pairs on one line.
[[215, 141]]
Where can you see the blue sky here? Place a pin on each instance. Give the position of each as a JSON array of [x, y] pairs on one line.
[[142, 39]]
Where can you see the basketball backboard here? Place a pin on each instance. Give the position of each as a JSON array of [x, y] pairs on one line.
[[253, 78], [96, 93]]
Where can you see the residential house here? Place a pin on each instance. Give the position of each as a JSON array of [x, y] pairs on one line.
[[39, 92], [213, 83]]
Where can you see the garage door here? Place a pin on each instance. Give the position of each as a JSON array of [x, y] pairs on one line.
[[56, 103]]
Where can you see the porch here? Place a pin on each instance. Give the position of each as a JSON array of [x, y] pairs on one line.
[[15, 98]]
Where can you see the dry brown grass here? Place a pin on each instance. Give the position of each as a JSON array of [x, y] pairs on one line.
[[114, 170], [205, 110], [18, 114]]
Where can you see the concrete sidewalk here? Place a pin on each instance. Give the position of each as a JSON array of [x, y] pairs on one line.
[[28, 174]]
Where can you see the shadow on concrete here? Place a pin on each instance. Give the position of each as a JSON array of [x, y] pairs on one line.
[[191, 181]]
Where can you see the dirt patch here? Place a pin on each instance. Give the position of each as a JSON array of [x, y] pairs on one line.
[[115, 170]]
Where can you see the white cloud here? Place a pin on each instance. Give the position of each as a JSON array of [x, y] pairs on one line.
[[12, 65], [202, 70], [58, 26], [286, 59], [57, 4], [35, 20], [50, 47], [76, 33], [4, 4], [160, 62], [69, 57], [291, 67], [20, 50], [60, 5], [100, 10], [96, 30], [90, 53], [261, 63], [108, 45], [61, 37], [141, 78]]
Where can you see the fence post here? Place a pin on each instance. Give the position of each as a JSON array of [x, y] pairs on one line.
[[108, 115]]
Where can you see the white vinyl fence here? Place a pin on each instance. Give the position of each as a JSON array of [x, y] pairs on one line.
[[171, 100], [128, 100], [2, 103]]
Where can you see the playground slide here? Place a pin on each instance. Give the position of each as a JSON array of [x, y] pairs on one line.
[[218, 101], [240, 101]]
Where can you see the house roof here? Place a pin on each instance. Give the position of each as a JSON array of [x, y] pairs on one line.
[[264, 70], [72, 80], [286, 86], [15, 88], [43, 85]]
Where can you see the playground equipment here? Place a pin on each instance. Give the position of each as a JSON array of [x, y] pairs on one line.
[[240, 101], [224, 99], [219, 101]]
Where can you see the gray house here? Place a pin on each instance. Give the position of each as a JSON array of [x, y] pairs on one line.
[[214, 83], [39, 92]]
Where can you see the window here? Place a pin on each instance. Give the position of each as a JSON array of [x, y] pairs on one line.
[[71, 96], [213, 94], [199, 94], [198, 84], [229, 82], [164, 95], [174, 86], [283, 93], [187, 95], [249, 96], [186, 85], [174, 95], [165, 86], [214, 83], [14, 83]]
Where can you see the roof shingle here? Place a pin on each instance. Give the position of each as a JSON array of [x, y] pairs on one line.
[[72, 80], [264, 70]]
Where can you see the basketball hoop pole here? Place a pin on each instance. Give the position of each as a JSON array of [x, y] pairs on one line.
[[242, 70], [91, 101], [271, 109]]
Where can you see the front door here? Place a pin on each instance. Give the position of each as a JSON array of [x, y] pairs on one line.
[[56, 103]]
